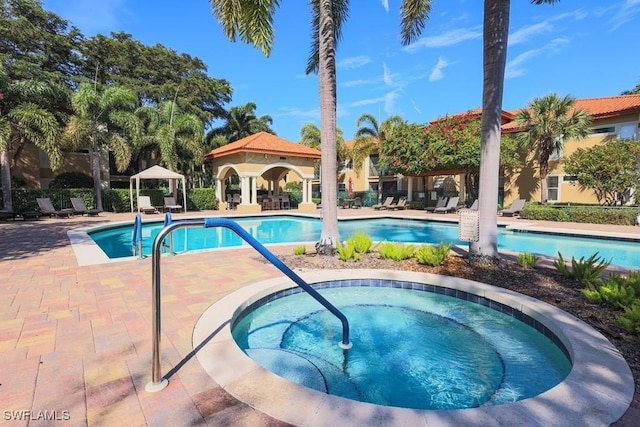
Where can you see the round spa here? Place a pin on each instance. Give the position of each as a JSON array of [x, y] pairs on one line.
[[425, 349]]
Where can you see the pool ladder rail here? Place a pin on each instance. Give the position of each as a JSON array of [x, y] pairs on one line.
[[157, 382], [136, 238]]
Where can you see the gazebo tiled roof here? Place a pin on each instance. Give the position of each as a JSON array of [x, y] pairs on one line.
[[264, 143]]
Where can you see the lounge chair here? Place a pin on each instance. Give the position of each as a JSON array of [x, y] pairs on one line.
[[79, 208], [384, 205], [46, 207], [170, 205], [441, 203], [452, 206], [144, 205], [402, 204], [473, 207], [514, 209], [357, 203]]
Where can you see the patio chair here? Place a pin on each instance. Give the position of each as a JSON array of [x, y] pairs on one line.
[[441, 203], [402, 204], [452, 206], [385, 205], [46, 207], [357, 203], [170, 205], [514, 209], [80, 208], [473, 207], [144, 205]]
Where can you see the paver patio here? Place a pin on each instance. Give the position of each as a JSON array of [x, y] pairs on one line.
[[75, 341]]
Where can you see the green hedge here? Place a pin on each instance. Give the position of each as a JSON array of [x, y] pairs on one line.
[[113, 200], [582, 214]]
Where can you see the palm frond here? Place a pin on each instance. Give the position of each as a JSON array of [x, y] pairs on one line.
[[413, 17], [121, 150]]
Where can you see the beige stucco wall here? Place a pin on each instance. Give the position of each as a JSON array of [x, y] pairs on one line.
[[29, 167]]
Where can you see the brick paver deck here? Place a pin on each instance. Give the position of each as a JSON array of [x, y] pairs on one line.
[[75, 341]]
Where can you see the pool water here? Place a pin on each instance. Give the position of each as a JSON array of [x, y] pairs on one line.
[[411, 348], [116, 241]]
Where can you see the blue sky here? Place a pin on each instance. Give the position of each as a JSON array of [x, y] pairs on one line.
[[586, 48]]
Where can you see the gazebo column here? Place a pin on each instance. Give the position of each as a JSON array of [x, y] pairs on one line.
[[307, 204], [254, 190], [246, 192], [409, 188], [220, 190]]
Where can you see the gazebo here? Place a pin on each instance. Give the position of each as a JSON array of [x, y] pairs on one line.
[[158, 172], [263, 159]]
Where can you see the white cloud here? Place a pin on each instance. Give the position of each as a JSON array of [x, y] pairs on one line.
[[514, 68], [369, 101], [624, 12], [353, 62], [390, 102], [354, 83], [385, 4], [387, 77], [446, 39], [436, 73], [415, 107], [524, 33]]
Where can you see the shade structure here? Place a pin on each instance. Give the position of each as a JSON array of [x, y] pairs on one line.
[[158, 172]]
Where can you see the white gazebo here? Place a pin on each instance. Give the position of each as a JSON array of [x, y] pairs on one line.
[[158, 172]]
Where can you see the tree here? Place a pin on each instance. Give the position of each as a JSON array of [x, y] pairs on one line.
[[549, 121], [167, 131], [369, 137], [310, 137], [103, 121], [240, 122], [26, 117], [608, 169], [495, 36], [253, 23]]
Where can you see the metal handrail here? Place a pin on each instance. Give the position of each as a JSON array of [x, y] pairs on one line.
[[136, 238], [157, 383]]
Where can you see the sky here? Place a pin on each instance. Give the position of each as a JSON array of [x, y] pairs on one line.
[[585, 49]]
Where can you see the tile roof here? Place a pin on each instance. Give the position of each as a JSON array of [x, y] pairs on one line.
[[598, 108], [263, 142]]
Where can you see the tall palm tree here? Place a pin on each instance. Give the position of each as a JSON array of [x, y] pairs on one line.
[[495, 36], [240, 122], [369, 137], [25, 117], [549, 121], [167, 130], [310, 136], [105, 121], [253, 23]]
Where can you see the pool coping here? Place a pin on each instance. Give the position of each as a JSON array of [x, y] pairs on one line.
[[597, 391]]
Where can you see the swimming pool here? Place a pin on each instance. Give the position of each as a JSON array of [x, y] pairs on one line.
[[116, 241]]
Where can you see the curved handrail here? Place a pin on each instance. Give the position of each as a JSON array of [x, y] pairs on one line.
[[157, 383], [136, 238]]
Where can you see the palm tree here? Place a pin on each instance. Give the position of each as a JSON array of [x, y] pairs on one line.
[[550, 121], [253, 23], [310, 136], [240, 122], [103, 122], [369, 137], [167, 131], [495, 35], [25, 117]]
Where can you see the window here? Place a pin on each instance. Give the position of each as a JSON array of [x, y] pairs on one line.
[[604, 129], [342, 186], [555, 154], [553, 188], [347, 164], [44, 160], [628, 131]]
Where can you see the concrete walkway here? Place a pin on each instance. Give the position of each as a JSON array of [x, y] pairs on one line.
[[75, 341]]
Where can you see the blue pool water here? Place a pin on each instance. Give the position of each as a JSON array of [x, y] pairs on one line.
[[116, 241], [418, 349]]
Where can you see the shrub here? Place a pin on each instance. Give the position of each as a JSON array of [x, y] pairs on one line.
[[527, 260], [617, 290], [630, 320], [433, 255], [361, 242], [300, 250], [585, 271], [395, 251], [347, 252]]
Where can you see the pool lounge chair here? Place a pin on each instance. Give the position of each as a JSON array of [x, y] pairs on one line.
[[144, 205], [401, 205], [452, 206], [514, 209], [79, 208], [385, 205], [170, 205], [473, 207], [46, 207], [442, 202]]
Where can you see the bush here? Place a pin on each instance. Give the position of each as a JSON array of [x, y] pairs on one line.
[[300, 250], [395, 251], [347, 252], [630, 320], [433, 255], [361, 242], [527, 260], [582, 214], [585, 271], [618, 291]]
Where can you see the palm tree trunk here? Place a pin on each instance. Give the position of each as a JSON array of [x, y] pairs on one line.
[[327, 83], [5, 166], [97, 181], [544, 172], [496, 31]]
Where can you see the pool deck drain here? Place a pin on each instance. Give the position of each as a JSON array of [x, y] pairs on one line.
[[75, 340]]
